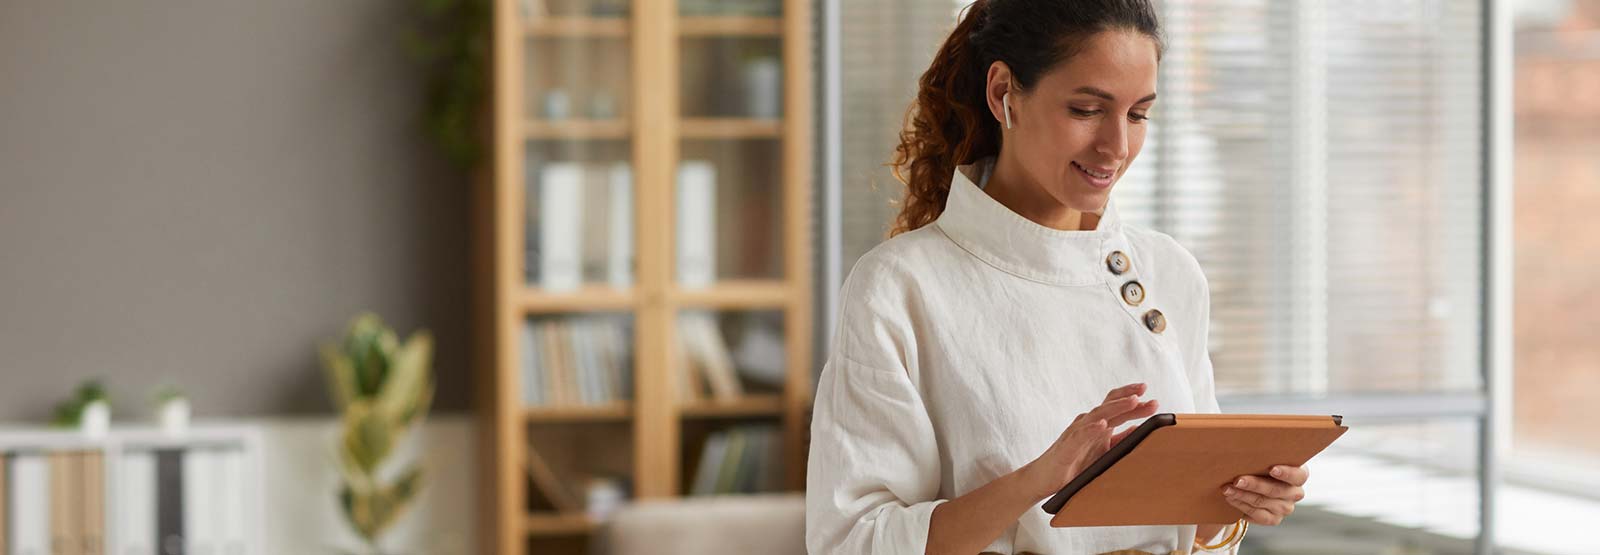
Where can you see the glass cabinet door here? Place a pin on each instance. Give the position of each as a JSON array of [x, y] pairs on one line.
[[730, 180], [577, 162]]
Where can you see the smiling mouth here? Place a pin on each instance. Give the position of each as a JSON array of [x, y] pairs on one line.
[[1091, 173]]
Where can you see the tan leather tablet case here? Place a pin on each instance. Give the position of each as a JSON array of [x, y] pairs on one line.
[[1175, 475]]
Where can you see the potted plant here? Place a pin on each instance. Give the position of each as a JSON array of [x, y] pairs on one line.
[[88, 410], [172, 410], [383, 388]]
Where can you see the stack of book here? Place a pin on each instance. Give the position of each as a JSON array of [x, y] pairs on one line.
[[704, 365], [579, 360], [580, 225], [742, 459], [170, 500], [54, 502]]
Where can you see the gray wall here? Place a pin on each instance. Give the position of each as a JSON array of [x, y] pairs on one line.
[[200, 192]]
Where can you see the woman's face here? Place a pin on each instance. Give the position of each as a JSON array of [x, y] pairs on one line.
[[1082, 125]]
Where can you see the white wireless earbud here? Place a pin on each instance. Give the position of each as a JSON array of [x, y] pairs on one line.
[[1005, 102]]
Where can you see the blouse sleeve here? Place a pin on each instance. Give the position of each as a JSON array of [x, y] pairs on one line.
[[874, 465], [874, 468]]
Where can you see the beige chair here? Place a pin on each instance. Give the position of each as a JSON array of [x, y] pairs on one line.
[[767, 523]]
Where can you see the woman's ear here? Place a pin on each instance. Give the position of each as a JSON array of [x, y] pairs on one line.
[[996, 91]]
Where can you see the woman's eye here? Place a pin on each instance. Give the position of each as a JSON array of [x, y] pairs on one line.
[[1139, 118], [1084, 113]]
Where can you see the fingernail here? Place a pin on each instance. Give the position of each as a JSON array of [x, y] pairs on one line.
[[1239, 482], [1277, 471], [1229, 492]]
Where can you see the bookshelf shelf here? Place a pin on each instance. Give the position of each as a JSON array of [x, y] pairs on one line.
[[640, 105], [607, 412], [732, 128], [577, 129], [710, 26], [745, 406], [558, 524], [592, 298], [577, 27], [749, 294]]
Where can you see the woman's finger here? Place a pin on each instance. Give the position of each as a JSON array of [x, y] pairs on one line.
[[1270, 487], [1140, 410], [1124, 391], [1280, 507], [1293, 475], [1257, 515]]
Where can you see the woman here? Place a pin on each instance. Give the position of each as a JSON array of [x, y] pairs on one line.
[[968, 379]]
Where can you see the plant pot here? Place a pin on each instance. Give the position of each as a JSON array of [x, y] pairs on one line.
[[95, 420], [173, 416]]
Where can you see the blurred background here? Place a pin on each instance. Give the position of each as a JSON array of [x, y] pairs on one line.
[[557, 276]]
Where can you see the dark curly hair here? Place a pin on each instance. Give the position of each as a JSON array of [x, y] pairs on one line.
[[949, 123]]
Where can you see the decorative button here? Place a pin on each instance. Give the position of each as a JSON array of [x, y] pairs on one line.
[[1118, 262], [1133, 293], [1155, 321]]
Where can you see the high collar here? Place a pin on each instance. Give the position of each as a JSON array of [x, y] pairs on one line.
[[1006, 240]]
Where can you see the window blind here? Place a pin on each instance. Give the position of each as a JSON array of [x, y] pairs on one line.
[[1322, 160]]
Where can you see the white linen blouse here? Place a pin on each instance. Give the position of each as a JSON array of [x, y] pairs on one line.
[[964, 348]]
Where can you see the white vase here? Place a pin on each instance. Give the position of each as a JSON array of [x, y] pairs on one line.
[[95, 420], [174, 416]]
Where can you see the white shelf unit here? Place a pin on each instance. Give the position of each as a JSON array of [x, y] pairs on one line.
[[120, 441]]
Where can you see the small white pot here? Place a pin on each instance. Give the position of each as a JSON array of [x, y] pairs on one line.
[[174, 416], [95, 420]]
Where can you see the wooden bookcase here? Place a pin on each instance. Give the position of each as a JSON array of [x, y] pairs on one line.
[[666, 69]]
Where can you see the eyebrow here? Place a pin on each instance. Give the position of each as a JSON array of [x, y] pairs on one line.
[[1103, 94]]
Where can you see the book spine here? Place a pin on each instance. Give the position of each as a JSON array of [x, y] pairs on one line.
[[199, 512], [696, 223], [560, 234], [532, 389], [30, 509], [136, 504], [169, 502], [94, 503], [619, 268], [66, 503]]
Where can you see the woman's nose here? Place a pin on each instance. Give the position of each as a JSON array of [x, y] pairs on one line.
[[1112, 141]]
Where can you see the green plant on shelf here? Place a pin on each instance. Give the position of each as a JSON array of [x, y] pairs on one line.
[[384, 388], [69, 412]]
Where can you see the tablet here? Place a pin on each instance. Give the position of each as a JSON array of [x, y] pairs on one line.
[[1171, 469]]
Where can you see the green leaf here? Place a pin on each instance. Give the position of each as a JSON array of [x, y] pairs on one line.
[[368, 437], [407, 392], [341, 373]]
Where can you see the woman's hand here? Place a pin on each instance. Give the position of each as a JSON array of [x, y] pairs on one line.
[[1266, 500], [1088, 437]]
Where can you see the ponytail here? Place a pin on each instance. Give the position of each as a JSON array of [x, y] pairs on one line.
[[944, 127]]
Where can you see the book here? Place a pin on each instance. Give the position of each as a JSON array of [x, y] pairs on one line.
[[705, 477], [30, 510], [94, 503], [620, 260], [560, 210], [706, 356], [228, 473], [66, 502], [727, 474], [532, 379], [199, 507], [544, 478], [169, 501], [696, 223], [136, 504]]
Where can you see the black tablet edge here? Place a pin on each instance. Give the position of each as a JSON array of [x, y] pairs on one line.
[[1105, 461]]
